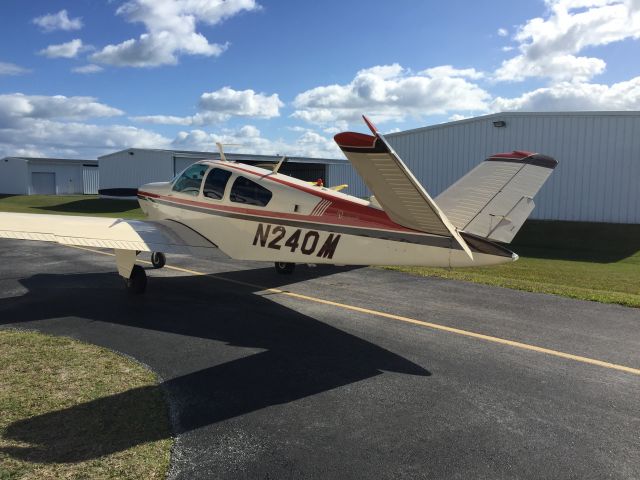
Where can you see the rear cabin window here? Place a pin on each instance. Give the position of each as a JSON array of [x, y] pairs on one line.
[[215, 183], [190, 180], [250, 193]]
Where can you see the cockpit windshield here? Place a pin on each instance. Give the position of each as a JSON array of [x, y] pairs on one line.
[[190, 180]]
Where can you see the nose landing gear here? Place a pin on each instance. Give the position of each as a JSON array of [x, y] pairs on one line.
[[158, 259]]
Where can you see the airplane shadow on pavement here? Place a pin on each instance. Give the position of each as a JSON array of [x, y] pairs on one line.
[[256, 353]]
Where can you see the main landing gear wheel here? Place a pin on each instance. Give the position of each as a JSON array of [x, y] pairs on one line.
[[137, 281], [285, 268], [158, 259]]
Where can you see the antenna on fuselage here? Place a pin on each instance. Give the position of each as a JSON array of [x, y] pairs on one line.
[[279, 164], [221, 149]]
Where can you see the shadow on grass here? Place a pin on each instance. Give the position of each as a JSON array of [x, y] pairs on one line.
[[297, 355], [94, 205], [577, 241], [90, 430], [592, 256]]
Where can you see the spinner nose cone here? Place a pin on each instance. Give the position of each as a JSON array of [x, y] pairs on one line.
[[514, 256]]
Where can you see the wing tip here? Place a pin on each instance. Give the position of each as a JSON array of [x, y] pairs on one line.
[[521, 156], [370, 124]]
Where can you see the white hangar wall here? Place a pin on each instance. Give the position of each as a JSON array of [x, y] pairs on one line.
[[14, 176], [128, 169], [49, 176], [597, 178]]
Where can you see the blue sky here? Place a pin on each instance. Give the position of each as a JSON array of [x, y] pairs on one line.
[[84, 77]]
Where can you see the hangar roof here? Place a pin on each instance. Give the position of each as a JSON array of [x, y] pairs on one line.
[[64, 161], [240, 157], [498, 115]]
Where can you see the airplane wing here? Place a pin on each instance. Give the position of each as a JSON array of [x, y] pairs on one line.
[[146, 236], [399, 193]]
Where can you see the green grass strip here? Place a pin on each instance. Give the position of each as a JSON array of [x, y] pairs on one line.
[[74, 410]]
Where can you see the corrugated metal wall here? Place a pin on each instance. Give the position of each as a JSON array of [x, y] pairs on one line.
[[90, 179], [340, 174], [597, 179], [123, 170], [14, 176]]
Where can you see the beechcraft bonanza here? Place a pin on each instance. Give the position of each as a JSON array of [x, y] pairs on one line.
[[253, 213]]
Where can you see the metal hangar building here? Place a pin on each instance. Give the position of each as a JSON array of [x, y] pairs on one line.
[[48, 176], [598, 174]]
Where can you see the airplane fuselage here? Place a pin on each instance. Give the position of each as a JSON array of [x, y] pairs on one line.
[[284, 219]]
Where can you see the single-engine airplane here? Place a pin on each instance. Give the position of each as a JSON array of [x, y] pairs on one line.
[[253, 213]]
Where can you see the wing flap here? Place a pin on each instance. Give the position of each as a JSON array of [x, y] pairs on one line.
[[146, 236]]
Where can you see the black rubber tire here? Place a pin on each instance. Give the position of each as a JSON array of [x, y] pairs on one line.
[[158, 259], [285, 268], [137, 281]]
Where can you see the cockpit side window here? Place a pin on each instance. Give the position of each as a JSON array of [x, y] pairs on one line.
[[249, 192], [190, 180], [215, 183]]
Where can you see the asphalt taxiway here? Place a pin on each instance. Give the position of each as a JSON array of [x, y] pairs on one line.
[[351, 373]]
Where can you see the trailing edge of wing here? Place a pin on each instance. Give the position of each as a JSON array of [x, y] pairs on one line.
[[146, 236], [399, 193]]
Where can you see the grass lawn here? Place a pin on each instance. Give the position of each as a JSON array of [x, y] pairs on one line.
[[73, 410], [589, 261], [71, 205]]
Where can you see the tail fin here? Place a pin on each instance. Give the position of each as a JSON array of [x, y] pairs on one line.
[[494, 199], [401, 195]]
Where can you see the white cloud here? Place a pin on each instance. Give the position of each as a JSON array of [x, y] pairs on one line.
[[86, 140], [171, 31], [17, 106], [390, 92], [90, 68], [337, 127], [503, 32], [218, 106], [58, 21], [11, 69], [250, 140], [558, 67], [548, 46], [196, 119], [51, 125], [570, 96], [64, 50], [449, 71], [241, 102]]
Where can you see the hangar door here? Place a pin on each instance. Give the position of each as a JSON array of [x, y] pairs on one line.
[[309, 172], [180, 163], [90, 179], [43, 183]]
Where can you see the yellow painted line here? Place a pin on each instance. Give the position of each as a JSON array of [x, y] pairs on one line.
[[377, 313]]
